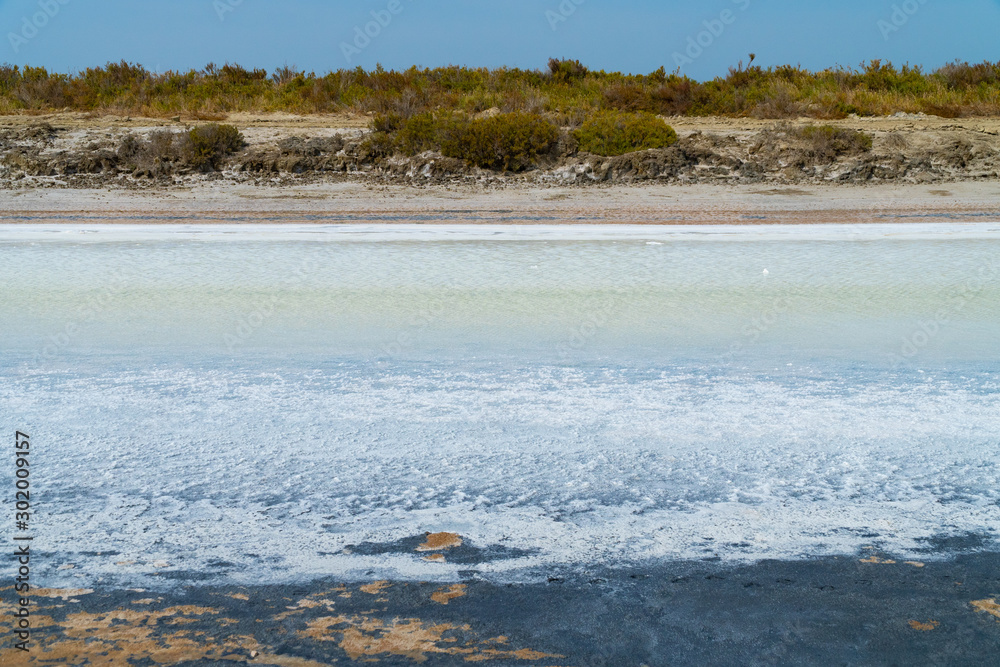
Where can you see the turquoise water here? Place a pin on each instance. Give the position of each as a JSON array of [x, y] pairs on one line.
[[248, 401]]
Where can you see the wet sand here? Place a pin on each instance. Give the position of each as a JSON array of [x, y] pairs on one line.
[[865, 610]]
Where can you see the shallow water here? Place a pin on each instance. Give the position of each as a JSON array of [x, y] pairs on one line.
[[247, 401]]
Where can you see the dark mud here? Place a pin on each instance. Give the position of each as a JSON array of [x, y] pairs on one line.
[[864, 610]]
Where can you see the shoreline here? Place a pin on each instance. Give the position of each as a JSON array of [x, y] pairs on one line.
[[647, 204]]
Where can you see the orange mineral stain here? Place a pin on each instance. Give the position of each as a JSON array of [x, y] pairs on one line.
[[989, 606], [446, 595], [435, 558], [375, 588], [365, 637], [875, 560], [137, 633], [123, 636], [924, 627], [440, 542]]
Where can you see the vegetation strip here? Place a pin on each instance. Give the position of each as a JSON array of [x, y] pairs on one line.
[[567, 91]]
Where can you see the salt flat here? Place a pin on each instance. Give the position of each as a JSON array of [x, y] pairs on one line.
[[259, 402]]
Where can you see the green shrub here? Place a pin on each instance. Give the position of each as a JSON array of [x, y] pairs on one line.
[[427, 132], [615, 133], [565, 71], [508, 142], [208, 144]]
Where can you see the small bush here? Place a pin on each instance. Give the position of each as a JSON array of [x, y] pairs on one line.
[[285, 74], [813, 145], [208, 144], [203, 148], [154, 155], [509, 142], [625, 97], [426, 132], [834, 141], [566, 71], [422, 132], [612, 133], [378, 145], [962, 75], [675, 96]]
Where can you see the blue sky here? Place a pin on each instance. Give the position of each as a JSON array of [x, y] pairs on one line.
[[626, 35]]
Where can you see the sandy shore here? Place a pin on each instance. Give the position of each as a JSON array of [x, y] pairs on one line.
[[649, 204]]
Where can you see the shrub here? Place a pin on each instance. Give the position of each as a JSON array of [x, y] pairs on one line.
[[153, 156], [416, 134], [388, 123], [612, 133], [962, 75], [812, 145], [832, 141], [208, 144], [566, 71], [675, 96], [509, 141], [378, 145], [285, 74], [626, 97], [423, 132], [10, 75]]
